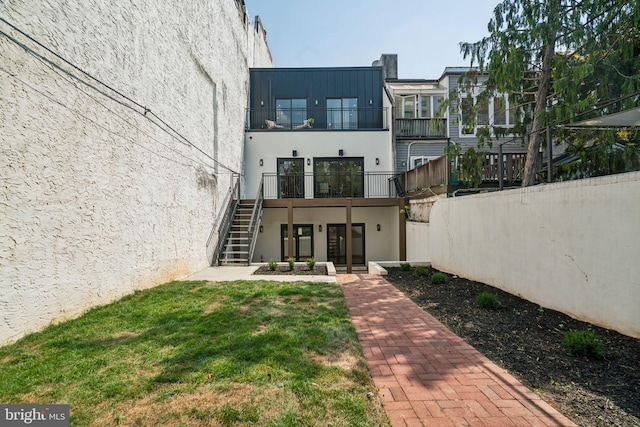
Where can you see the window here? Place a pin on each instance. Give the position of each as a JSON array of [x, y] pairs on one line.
[[491, 112], [425, 106], [339, 177], [418, 106], [342, 113], [500, 112], [291, 112], [421, 160], [466, 116]]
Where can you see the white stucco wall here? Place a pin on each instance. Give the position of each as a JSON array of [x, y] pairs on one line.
[[379, 245], [98, 199], [271, 145], [572, 247], [418, 241]]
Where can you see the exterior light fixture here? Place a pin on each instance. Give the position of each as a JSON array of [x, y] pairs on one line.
[[316, 102], [294, 153], [378, 227], [341, 152], [261, 162], [262, 103], [371, 102], [262, 229], [308, 162], [320, 227], [377, 161]]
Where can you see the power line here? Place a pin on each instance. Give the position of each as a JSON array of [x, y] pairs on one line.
[[88, 118], [130, 123], [145, 109]]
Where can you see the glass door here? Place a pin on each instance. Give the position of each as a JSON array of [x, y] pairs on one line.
[[290, 178], [302, 242], [337, 244]]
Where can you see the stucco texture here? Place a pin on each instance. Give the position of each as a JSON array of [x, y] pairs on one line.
[[102, 194], [572, 246]]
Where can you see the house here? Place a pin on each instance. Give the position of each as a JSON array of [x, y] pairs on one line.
[[423, 128], [318, 169]]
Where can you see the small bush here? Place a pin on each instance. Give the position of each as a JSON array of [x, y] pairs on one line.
[[292, 263], [421, 270], [488, 301], [273, 266], [311, 263], [405, 266], [438, 278], [583, 344]]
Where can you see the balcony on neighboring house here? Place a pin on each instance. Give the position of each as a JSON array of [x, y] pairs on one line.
[[317, 118], [432, 128], [443, 175], [331, 186]]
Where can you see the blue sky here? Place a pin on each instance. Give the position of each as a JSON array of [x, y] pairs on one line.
[[326, 33]]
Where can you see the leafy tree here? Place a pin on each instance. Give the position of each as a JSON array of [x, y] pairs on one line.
[[557, 60]]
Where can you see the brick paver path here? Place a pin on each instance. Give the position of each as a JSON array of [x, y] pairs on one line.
[[426, 374]]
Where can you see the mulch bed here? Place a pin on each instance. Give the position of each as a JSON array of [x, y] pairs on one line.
[[302, 270], [525, 339]]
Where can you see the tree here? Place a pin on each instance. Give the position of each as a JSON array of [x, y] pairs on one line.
[[555, 59]]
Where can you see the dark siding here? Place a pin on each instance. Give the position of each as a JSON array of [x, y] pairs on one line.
[[364, 83]]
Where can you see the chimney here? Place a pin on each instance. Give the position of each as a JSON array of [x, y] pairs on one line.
[[389, 64]]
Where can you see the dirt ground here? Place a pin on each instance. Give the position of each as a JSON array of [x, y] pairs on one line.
[[525, 339]]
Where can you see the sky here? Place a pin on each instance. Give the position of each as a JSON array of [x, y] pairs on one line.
[[337, 33]]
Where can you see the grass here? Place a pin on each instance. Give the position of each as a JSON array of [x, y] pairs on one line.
[[196, 353]]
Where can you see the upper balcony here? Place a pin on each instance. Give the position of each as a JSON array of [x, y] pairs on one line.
[[367, 185], [435, 128], [317, 118]]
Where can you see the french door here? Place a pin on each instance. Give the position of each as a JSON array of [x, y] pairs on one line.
[[290, 178], [302, 242], [337, 244]]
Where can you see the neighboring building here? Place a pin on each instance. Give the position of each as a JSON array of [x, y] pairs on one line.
[[422, 129], [111, 177], [318, 147]]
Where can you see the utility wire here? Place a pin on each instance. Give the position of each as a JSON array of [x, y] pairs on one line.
[[127, 121], [88, 118], [145, 109]]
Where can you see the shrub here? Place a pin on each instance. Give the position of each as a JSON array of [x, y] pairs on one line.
[[311, 263], [292, 263], [438, 278], [421, 270], [487, 301], [405, 266], [583, 344], [273, 266]]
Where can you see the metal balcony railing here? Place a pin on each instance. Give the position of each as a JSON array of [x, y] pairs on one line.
[[317, 118], [339, 185]]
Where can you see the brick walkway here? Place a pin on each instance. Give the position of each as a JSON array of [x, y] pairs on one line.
[[426, 374]]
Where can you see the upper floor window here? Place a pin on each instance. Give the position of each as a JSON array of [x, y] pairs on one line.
[[418, 106], [291, 112], [342, 113], [488, 112]]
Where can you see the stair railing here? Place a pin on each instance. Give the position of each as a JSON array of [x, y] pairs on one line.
[[223, 221], [256, 217]]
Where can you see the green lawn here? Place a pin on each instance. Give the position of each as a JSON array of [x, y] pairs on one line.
[[196, 353]]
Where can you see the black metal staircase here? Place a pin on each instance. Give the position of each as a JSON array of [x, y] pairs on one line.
[[236, 250]]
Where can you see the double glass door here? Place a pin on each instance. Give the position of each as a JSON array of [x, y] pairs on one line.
[[337, 244], [302, 242]]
